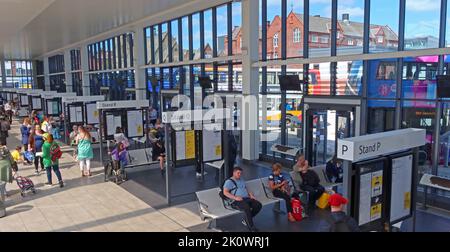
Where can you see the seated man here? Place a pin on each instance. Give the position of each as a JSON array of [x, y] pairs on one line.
[[242, 199], [334, 170], [311, 184]]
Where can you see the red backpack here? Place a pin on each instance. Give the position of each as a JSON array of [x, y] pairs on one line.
[[55, 152], [297, 209]]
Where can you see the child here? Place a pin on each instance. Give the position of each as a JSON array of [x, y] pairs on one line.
[[119, 155], [17, 154]]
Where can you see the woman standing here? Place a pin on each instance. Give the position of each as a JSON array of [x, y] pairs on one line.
[[85, 152], [51, 162], [35, 146], [25, 131]]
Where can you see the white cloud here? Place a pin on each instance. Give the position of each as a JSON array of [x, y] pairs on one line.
[[422, 5], [422, 29]]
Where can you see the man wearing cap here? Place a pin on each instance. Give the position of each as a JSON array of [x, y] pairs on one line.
[[338, 220]]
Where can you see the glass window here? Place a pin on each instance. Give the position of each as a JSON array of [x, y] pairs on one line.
[[274, 28], [157, 44], [222, 30], [319, 79], [381, 116], [222, 82], [320, 26], [185, 25], [208, 34], [237, 24], [165, 43], [349, 77], [175, 41], [294, 26], [382, 79], [384, 31], [196, 35], [419, 78], [19, 74], [350, 27], [148, 45], [422, 24]]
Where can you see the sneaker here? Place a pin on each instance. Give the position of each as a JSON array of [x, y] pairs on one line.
[[163, 172], [61, 184], [36, 173], [244, 222], [199, 175], [48, 184]]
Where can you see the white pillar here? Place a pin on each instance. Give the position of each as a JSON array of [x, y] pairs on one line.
[[250, 80], [46, 74], [68, 70], [139, 60], [3, 71], [85, 69]]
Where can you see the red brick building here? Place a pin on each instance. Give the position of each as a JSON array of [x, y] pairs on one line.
[[349, 34]]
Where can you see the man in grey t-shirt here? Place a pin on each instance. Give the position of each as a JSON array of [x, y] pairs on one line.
[[243, 200]]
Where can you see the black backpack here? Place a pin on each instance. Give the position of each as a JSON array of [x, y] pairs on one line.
[[222, 195], [340, 226]]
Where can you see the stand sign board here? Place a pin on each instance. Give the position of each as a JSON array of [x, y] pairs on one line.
[[92, 114], [135, 123], [36, 103], [185, 145]]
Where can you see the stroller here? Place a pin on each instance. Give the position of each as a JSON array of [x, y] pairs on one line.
[[25, 185], [114, 173]]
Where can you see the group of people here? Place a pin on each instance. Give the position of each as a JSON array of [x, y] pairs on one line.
[[38, 146], [240, 198]]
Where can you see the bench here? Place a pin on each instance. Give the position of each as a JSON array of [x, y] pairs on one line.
[[440, 183], [324, 181], [285, 150], [212, 207], [140, 157]]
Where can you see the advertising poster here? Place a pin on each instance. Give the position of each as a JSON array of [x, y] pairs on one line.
[[365, 199], [377, 183], [402, 169], [110, 129]]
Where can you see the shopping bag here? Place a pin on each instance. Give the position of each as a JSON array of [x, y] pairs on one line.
[[322, 202]]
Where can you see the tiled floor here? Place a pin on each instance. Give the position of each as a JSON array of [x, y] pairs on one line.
[[85, 204]]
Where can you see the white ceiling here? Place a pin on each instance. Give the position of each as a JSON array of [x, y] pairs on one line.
[[31, 28]]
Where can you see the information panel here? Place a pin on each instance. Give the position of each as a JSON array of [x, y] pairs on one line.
[[76, 114], [24, 101], [135, 123], [401, 184], [36, 103], [92, 114], [185, 145], [112, 122], [371, 199], [53, 108], [212, 145]]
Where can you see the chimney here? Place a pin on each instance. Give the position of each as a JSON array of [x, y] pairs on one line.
[[346, 17]]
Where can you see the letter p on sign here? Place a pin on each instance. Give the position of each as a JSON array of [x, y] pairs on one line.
[[344, 149]]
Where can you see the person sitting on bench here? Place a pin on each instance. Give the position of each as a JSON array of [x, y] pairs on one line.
[[310, 181], [280, 188], [242, 199], [334, 170]]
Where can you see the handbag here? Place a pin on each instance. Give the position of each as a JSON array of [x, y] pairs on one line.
[[322, 202]]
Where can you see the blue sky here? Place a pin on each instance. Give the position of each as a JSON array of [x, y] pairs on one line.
[[422, 16]]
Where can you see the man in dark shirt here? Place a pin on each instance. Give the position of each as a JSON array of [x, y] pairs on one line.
[[338, 220], [311, 184]]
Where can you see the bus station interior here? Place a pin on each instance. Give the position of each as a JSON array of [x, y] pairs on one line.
[[366, 67]]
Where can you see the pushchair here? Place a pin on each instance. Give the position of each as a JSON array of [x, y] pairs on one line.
[[113, 172]]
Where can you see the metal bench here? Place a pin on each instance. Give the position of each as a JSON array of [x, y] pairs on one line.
[[140, 157], [212, 207], [428, 180], [324, 181]]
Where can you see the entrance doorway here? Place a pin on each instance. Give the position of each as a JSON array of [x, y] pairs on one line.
[[327, 120]]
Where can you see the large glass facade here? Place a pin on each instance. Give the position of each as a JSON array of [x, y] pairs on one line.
[[17, 74], [110, 61]]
